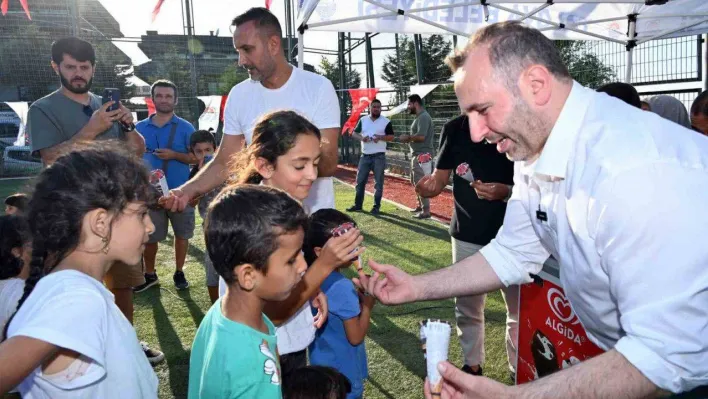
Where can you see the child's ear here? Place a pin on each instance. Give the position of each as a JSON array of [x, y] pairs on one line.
[[99, 222], [318, 251], [246, 276], [264, 167]]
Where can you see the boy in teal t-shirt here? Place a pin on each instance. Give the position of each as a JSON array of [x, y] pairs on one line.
[[254, 236]]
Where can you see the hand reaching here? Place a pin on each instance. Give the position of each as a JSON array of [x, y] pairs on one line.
[[320, 303], [396, 286], [340, 250]]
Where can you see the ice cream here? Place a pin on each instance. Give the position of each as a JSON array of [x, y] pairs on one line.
[[425, 160], [463, 170], [159, 181], [437, 342]]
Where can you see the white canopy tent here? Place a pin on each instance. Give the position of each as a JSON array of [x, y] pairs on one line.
[[627, 22]]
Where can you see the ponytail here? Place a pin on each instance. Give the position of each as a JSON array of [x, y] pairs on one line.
[[36, 273]]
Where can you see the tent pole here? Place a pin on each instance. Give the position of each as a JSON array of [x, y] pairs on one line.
[[631, 44], [418, 44], [300, 50]]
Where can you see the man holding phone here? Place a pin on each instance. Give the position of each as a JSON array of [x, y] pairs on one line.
[[73, 114]]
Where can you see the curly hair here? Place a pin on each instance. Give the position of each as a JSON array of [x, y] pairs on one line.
[[273, 136], [13, 234], [100, 175]]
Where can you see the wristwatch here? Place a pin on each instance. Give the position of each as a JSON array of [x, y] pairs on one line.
[[127, 127]]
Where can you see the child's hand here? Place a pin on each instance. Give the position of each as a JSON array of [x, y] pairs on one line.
[[320, 303], [340, 250], [366, 299]]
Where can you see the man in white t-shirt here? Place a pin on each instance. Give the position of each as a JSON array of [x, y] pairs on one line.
[[274, 84], [373, 131]]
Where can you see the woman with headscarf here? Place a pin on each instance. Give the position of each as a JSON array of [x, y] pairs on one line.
[[670, 108]]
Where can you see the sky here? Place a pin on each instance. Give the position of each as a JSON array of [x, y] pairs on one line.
[[135, 18]]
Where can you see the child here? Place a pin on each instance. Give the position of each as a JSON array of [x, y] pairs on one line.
[[68, 339], [203, 145], [316, 382], [254, 236], [284, 154], [340, 343], [14, 264], [15, 204]]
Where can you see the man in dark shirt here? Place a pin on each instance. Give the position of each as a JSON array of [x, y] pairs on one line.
[[478, 215]]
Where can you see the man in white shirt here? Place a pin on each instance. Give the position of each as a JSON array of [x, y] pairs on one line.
[[373, 131], [615, 194], [274, 85]]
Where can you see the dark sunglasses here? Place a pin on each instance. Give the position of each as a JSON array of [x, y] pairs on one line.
[[88, 111]]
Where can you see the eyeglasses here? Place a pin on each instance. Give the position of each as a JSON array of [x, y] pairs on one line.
[[88, 111]]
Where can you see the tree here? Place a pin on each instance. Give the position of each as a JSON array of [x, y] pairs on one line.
[[330, 70], [584, 66], [230, 78], [401, 73]]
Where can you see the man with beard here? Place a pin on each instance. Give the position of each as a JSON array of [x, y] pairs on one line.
[[373, 131], [167, 148], [614, 193], [73, 114], [274, 84], [420, 141]]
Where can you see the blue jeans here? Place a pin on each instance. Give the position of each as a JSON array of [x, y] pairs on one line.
[[367, 163]]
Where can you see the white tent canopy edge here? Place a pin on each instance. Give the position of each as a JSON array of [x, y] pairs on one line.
[[627, 22]]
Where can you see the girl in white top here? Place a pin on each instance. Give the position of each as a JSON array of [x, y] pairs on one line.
[[284, 153], [68, 339]]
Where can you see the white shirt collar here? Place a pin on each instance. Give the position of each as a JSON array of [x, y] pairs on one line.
[[556, 152]]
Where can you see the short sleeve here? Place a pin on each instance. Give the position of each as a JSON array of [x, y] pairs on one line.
[[343, 299], [42, 131], [358, 128], [446, 159], [389, 129], [326, 114], [74, 320], [424, 125], [232, 125], [189, 130]]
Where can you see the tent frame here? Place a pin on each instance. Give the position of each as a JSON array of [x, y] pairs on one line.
[[629, 44]]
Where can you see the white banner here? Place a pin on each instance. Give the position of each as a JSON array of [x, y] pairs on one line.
[[21, 108], [443, 16], [421, 90], [210, 117]]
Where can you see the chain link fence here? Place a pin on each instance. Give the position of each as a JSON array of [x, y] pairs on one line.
[[204, 65]]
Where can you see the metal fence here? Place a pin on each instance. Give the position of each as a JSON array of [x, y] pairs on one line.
[[203, 65]]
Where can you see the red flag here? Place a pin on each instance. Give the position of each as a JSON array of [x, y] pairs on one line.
[[268, 3], [223, 105], [361, 98], [157, 9], [150, 104], [5, 3], [26, 8]]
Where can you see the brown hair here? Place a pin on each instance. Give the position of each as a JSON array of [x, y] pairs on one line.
[[513, 47], [273, 136]]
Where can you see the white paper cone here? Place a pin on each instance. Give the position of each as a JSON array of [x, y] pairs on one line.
[[427, 167], [163, 186], [437, 336], [468, 176]]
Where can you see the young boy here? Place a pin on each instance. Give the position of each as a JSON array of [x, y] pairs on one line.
[[340, 342], [16, 204], [254, 236], [203, 146]]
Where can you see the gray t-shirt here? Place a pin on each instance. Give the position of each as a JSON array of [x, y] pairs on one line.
[[56, 118], [422, 126]]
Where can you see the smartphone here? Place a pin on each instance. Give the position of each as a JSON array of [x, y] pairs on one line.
[[111, 95]]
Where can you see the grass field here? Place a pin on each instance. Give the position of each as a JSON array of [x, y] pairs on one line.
[[168, 319]]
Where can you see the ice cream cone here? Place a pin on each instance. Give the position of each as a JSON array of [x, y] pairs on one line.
[[437, 342], [463, 170]]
